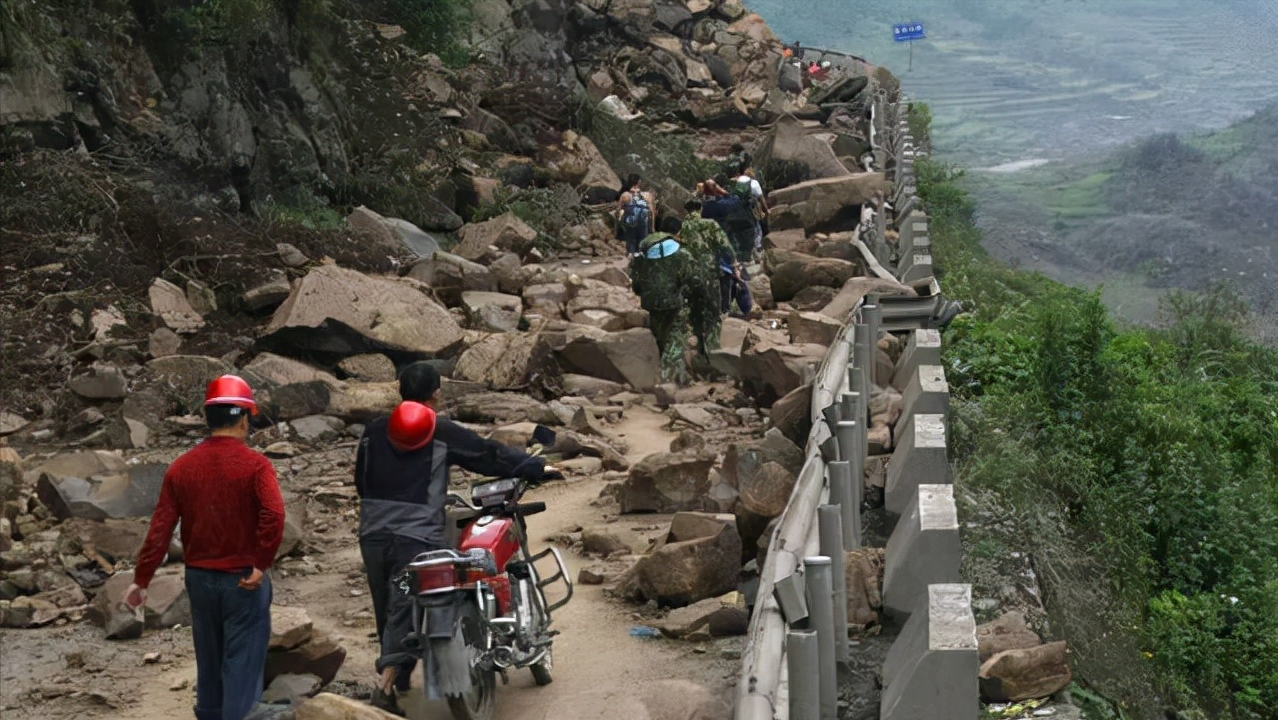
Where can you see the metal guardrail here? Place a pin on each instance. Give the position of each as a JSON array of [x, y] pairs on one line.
[[762, 687]]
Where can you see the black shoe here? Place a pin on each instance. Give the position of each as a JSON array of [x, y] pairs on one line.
[[404, 681], [387, 702]]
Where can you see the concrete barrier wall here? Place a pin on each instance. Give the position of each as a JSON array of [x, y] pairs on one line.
[[931, 669]]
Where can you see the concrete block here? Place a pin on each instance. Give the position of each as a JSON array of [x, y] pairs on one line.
[[907, 206], [931, 670], [910, 228], [927, 393], [923, 348], [915, 267], [918, 245], [919, 459], [923, 550]]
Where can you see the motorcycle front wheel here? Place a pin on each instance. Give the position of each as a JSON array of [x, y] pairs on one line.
[[480, 701]]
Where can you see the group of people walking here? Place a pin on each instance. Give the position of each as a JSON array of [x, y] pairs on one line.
[[227, 500], [691, 276]]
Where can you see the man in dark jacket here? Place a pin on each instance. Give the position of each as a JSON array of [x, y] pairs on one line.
[[402, 510]]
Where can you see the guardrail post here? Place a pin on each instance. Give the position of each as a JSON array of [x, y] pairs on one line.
[[821, 616], [872, 313], [803, 661], [849, 438], [861, 358], [845, 493], [830, 537]]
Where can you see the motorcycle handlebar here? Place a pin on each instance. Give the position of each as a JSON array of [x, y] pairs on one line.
[[531, 508]]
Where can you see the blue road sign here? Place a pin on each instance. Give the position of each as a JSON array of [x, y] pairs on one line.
[[904, 32]]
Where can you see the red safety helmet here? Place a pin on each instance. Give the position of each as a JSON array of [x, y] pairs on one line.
[[411, 426], [230, 390]]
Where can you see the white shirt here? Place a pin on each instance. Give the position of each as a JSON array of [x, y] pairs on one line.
[[756, 189]]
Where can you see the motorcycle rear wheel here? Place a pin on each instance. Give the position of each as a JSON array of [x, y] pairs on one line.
[[481, 701]]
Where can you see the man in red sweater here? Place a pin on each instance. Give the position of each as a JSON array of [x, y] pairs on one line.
[[232, 516]]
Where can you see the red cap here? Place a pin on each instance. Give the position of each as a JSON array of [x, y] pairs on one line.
[[411, 426], [230, 390]]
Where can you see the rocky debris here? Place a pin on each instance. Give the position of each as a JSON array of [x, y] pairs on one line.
[[793, 240], [667, 482], [267, 295], [700, 557], [824, 203], [858, 287], [733, 334], [697, 416], [290, 627], [576, 161], [169, 302], [28, 611], [163, 342], [545, 299], [317, 428], [593, 575], [792, 414], [111, 540], [370, 228], [612, 272], [295, 513], [104, 382], [166, 605], [863, 576], [202, 298], [511, 275], [570, 444], [793, 150], [793, 272], [761, 291], [771, 371], [11, 422], [327, 706], [688, 441], [485, 241], [598, 542], [1006, 632], [502, 409], [291, 689], [339, 311], [811, 327], [712, 617], [449, 276], [507, 361], [491, 311], [291, 256], [281, 370], [321, 657], [369, 367], [599, 304], [591, 387], [1024, 674], [123, 494], [766, 491], [813, 298], [628, 357]]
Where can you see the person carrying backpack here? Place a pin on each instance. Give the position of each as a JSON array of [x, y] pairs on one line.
[[636, 215]]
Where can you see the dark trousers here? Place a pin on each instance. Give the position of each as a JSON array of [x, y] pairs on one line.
[[385, 556], [231, 628], [633, 236]]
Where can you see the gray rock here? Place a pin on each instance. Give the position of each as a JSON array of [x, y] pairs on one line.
[[163, 342], [370, 367], [105, 382], [291, 688], [667, 482], [267, 295], [317, 428], [700, 557]]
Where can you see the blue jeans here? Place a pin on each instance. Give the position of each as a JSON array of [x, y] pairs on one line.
[[231, 628]]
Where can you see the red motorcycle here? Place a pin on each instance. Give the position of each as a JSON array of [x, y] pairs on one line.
[[481, 609]]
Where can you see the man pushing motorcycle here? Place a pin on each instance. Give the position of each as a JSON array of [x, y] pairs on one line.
[[402, 478]]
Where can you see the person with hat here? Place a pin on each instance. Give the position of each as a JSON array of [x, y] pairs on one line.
[[671, 285], [402, 478], [227, 499]]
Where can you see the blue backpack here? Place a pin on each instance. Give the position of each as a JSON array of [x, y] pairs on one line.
[[636, 214]]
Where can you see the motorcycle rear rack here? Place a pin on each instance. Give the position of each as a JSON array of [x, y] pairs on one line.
[[561, 575]]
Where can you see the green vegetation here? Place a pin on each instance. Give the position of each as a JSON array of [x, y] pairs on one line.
[[634, 147], [550, 211], [1138, 468], [436, 26]]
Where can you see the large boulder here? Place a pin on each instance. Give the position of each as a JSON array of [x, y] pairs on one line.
[[792, 272], [546, 299], [321, 657], [489, 239], [492, 311], [732, 342], [596, 303], [766, 491], [858, 287], [794, 153], [111, 539], [506, 361], [343, 312], [863, 577], [369, 367], [501, 408], [127, 494], [281, 370], [772, 370], [825, 204], [167, 605], [170, 303], [628, 357], [667, 482], [327, 706], [1006, 632], [716, 617], [290, 627], [700, 557], [579, 163], [1015, 675], [391, 234], [104, 382], [810, 327], [449, 276], [792, 414]]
